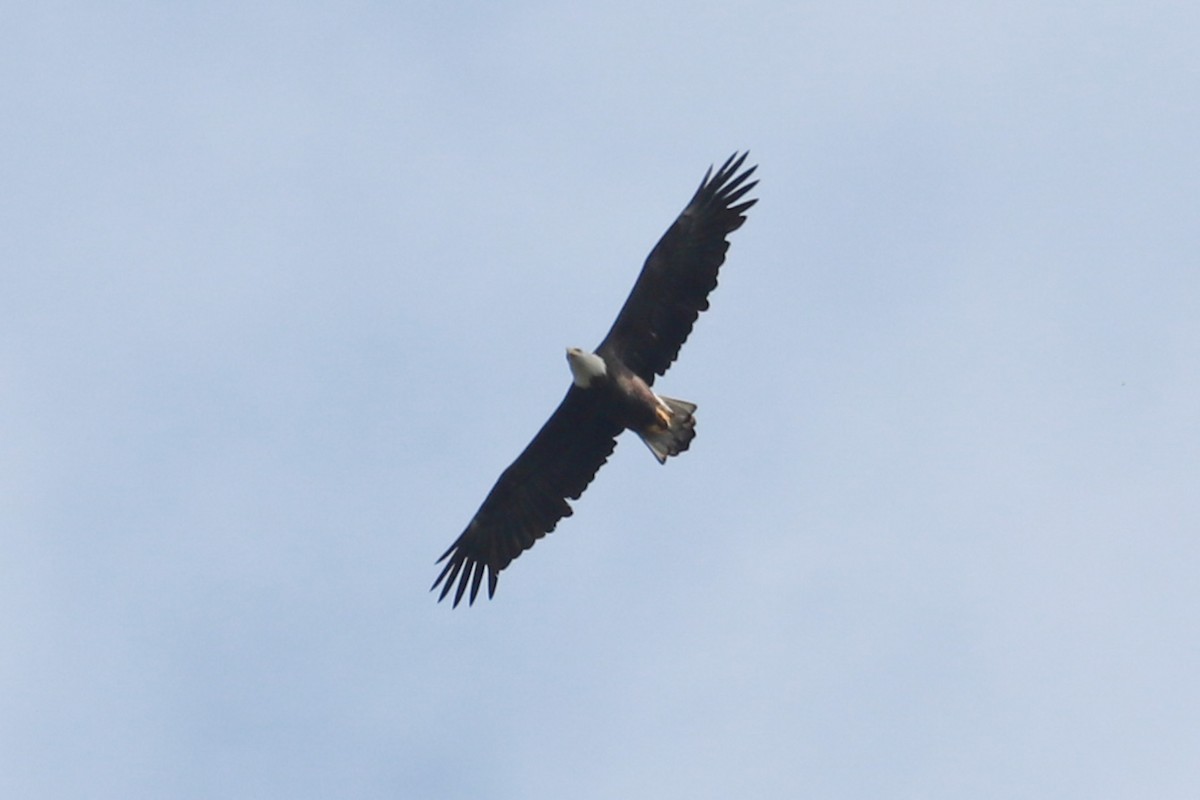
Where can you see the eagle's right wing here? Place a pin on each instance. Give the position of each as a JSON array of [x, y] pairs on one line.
[[531, 495]]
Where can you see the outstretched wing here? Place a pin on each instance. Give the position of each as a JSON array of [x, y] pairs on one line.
[[531, 495], [679, 274]]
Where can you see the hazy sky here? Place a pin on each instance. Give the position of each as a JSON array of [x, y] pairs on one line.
[[286, 286]]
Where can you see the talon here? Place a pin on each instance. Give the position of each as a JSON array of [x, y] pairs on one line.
[[664, 416]]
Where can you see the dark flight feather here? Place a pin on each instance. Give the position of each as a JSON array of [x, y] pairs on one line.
[[531, 496]]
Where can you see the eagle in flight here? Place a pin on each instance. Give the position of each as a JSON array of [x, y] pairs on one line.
[[610, 390]]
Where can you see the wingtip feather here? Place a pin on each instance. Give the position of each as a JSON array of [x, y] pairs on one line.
[[463, 580], [479, 570], [447, 578]]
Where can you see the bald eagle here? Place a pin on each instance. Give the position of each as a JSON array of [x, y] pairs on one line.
[[610, 390]]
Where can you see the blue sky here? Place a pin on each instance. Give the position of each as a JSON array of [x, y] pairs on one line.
[[287, 286]]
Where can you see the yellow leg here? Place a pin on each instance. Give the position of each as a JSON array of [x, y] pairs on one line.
[[664, 416]]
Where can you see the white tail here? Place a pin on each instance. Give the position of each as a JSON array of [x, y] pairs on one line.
[[673, 438]]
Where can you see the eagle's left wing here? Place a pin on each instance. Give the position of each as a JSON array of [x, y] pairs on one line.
[[681, 270]]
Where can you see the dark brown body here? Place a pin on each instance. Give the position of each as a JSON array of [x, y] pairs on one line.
[[665, 424]]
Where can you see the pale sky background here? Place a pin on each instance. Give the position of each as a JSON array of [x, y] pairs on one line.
[[286, 286]]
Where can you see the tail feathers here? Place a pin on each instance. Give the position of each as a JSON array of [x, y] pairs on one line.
[[675, 438]]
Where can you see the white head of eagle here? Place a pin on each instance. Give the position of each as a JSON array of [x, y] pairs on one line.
[[585, 366]]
